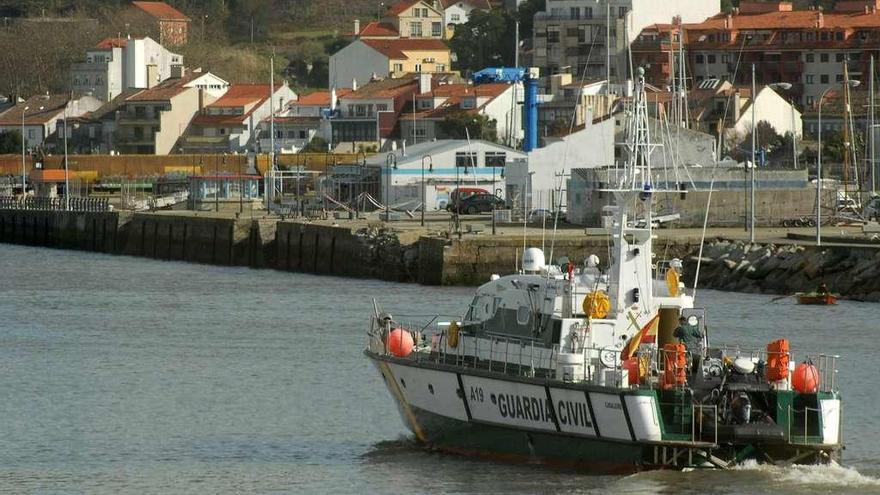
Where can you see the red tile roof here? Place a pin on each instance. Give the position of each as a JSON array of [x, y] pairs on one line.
[[242, 94], [379, 29], [108, 43], [386, 88], [399, 7], [161, 10], [394, 49], [319, 98], [801, 19], [165, 90], [40, 110], [454, 94]]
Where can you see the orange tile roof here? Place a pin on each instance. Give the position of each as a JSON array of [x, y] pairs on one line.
[[454, 94], [161, 10], [107, 43], [41, 110], [801, 19], [165, 90], [241, 94], [385, 88], [379, 29], [399, 7], [394, 49]]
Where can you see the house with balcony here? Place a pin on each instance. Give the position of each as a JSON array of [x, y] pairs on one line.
[[39, 118], [153, 120], [370, 114], [365, 60], [232, 122], [303, 120], [425, 122], [117, 64]]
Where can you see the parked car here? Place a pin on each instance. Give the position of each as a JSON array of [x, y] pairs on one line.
[[480, 203], [462, 193]]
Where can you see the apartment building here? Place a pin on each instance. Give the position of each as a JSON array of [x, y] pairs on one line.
[[590, 37], [407, 19], [806, 48], [117, 64], [171, 24]]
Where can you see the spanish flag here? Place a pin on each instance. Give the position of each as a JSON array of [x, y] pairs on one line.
[[647, 335]]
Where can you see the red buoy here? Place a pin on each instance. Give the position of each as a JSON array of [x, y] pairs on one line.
[[805, 378], [400, 342]]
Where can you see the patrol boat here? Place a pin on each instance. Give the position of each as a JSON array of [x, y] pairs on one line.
[[580, 365]]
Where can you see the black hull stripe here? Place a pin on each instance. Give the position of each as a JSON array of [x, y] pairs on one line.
[[553, 409], [629, 425], [592, 414], [467, 408]]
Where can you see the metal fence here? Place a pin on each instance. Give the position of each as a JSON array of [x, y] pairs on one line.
[[97, 205]]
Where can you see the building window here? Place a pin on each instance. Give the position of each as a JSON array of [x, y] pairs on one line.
[[582, 33], [621, 12], [840, 57], [809, 79], [700, 58], [838, 35], [575, 12], [398, 67], [415, 29], [823, 36], [725, 58], [455, 18], [303, 134], [811, 58], [440, 68], [588, 12], [495, 158], [838, 78], [418, 132], [811, 101], [463, 159], [711, 59], [436, 29], [425, 104], [381, 107], [417, 12], [468, 103], [823, 78], [553, 34], [823, 57], [418, 67], [222, 131]]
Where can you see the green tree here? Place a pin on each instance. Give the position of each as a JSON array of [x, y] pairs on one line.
[[316, 145], [485, 40], [461, 124], [525, 14], [10, 142]]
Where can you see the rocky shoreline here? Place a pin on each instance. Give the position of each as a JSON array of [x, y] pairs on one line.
[[737, 266]]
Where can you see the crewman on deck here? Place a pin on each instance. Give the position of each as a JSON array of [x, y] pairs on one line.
[[691, 337]]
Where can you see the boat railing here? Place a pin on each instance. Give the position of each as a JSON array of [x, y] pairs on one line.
[[804, 438], [697, 432], [826, 365]]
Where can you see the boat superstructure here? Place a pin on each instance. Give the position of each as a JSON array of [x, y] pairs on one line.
[[581, 363]]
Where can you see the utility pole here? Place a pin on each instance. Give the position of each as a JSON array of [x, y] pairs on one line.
[[66, 172], [871, 136]]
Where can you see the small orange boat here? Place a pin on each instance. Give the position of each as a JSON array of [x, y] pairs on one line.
[[816, 298]]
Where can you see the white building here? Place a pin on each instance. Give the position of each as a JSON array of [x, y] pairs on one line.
[[447, 164], [538, 182], [770, 107], [457, 12], [117, 64], [39, 117]]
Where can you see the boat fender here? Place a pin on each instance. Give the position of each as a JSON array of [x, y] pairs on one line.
[[452, 334]]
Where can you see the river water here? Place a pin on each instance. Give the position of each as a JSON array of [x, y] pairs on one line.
[[127, 375]]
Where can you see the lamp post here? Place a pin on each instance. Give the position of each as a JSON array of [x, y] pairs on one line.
[[754, 164], [390, 159], [424, 194], [23, 171], [66, 172]]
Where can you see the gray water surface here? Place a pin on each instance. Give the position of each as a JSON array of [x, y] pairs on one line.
[[126, 375]]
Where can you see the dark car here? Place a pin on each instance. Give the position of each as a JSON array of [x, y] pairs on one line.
[[479, 203]]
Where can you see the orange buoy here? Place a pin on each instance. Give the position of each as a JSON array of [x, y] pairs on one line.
[[805, 378], [400, 342]]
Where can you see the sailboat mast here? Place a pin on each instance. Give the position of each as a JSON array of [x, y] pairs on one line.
[[846, 143]]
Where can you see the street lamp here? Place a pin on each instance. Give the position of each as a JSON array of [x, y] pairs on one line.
[[390, 159], [23, 171], [430, 169], [852, 83], [66, 172]]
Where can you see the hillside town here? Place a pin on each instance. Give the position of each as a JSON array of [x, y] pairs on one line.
[[736, 101]]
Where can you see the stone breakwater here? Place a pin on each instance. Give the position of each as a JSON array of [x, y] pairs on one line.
[[853, 272]]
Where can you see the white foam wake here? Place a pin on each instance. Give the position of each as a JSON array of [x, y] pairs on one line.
[[832, 474]]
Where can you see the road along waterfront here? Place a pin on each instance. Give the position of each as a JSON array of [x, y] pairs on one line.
[[129, 375]]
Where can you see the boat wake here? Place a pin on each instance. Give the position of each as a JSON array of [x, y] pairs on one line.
[[814, 476]]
